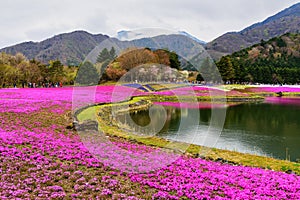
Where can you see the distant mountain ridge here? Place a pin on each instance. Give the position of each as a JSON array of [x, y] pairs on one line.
[[286, 21], [186, 47], [72, 48], [69, 48]]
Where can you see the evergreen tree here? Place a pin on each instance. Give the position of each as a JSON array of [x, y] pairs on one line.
[[112, 53], [174, 61], [199, 77], [226, 68], [106, 55], [87, 74], [103, 56]]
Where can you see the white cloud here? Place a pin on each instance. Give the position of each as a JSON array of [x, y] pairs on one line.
[[206, 19]]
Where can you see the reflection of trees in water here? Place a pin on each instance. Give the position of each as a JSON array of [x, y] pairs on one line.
[[173, 118], [269, 127], [139, 120], [259, 118], [264, 118], [173, 114], [205, 116]]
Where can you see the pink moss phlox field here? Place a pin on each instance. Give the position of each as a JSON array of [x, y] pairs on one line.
[[200, 105], [41, 159], [236, 93], [201, 179], [192, 91], [201, 91], [128, 157], [274, 89]]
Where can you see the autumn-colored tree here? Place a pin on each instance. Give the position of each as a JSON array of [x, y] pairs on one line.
[[135, 57], [146, 58], [162, 57], [5, 74], [19, 57], [56, 71], [115, 72]]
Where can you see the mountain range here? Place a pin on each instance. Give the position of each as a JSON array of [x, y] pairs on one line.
[[72, 48], [286, 21], [187, 48], [69, 48]]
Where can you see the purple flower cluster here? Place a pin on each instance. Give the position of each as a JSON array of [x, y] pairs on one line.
[[200, 105], [40, 158], [274, 89], [193, 91], [201, 179]]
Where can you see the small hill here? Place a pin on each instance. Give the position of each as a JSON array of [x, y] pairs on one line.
[[69, 48], [286, 21]]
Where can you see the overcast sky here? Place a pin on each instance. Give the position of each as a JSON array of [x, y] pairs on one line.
[[36, 20]]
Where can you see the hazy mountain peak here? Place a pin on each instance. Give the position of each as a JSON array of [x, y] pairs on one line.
[[142, 33], [147, 33], [192, 37]]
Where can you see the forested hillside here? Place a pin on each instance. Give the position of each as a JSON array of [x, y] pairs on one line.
[[273, 61]]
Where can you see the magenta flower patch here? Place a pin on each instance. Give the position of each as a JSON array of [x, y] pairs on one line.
[[40, 158]]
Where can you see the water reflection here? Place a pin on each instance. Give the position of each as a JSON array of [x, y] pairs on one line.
[[257, 128]]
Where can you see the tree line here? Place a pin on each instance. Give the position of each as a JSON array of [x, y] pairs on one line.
[[112, 67], [262, 71], [16, 70]]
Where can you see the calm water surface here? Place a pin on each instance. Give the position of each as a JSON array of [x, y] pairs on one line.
[[271, 128]]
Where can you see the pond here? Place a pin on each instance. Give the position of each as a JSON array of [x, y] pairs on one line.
[[270, 128]]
